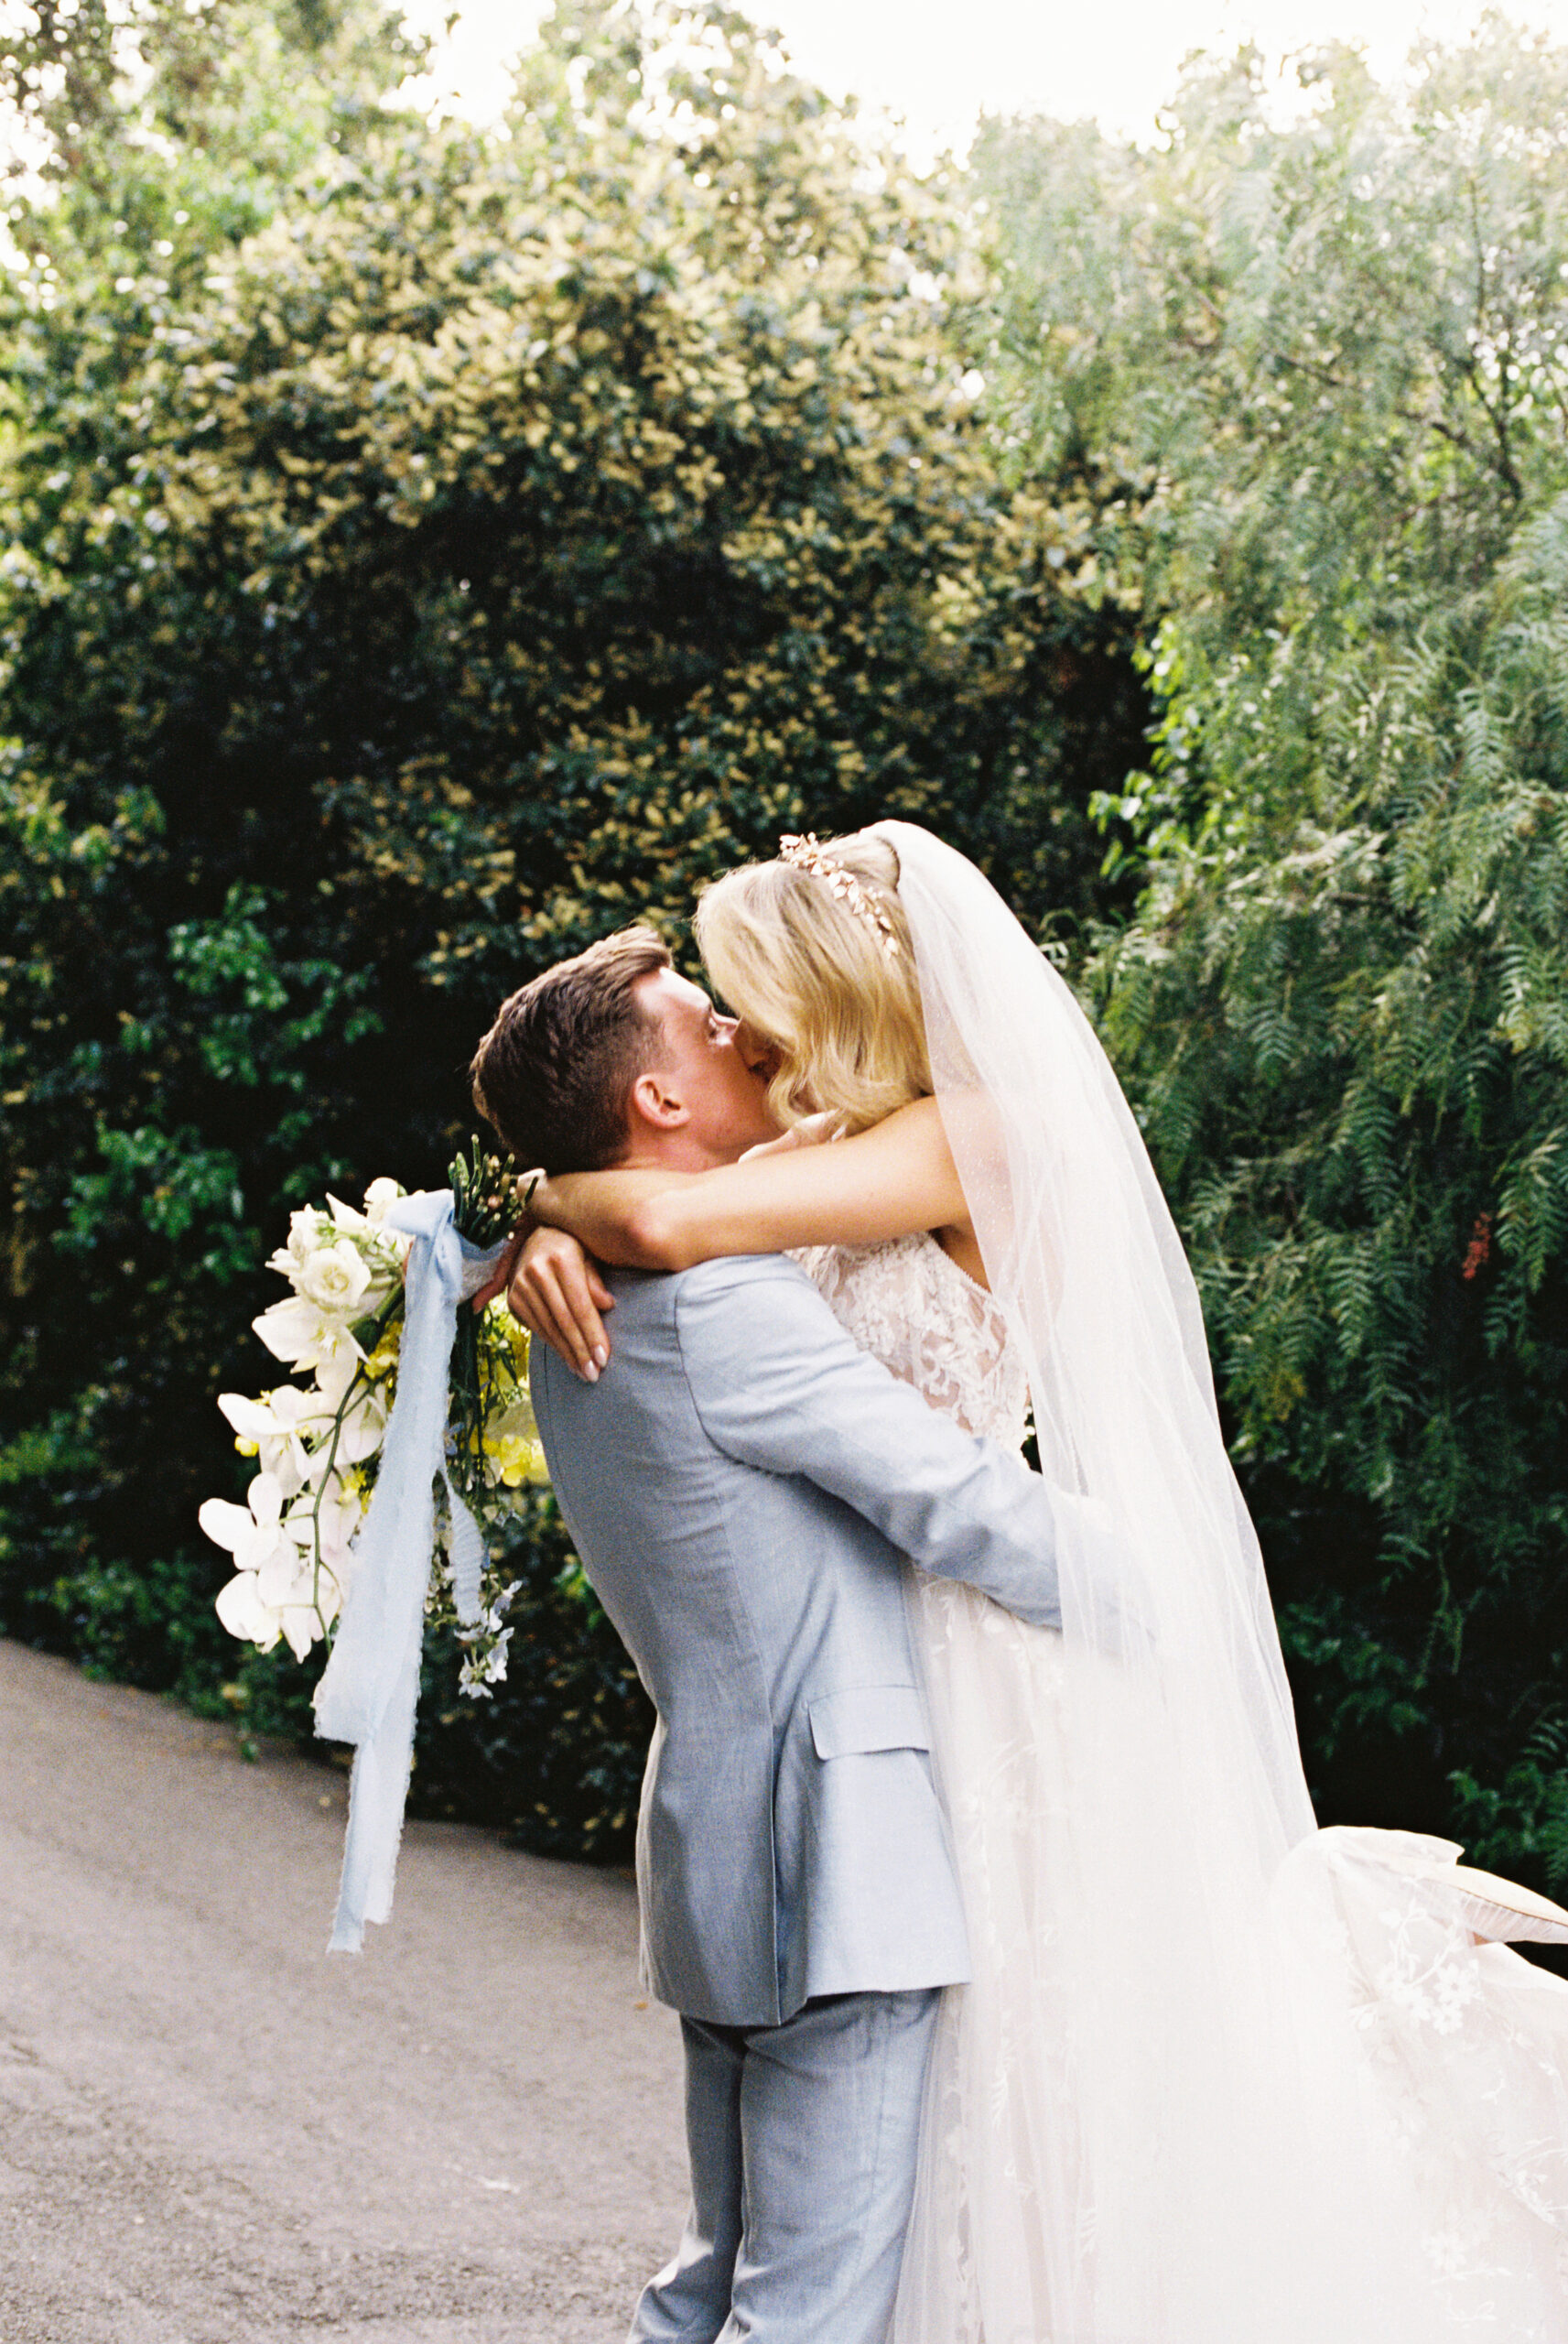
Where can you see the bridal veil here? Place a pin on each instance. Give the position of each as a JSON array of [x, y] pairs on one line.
[[1217, 2148]]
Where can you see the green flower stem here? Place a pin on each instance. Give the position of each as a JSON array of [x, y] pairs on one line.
[[379, 1322]]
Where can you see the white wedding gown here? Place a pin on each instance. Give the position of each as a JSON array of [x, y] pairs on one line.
[[1457, 2053]]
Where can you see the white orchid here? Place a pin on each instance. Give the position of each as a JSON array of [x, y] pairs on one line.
[[274, 1428], [312, 1601], [302, 1334], [486, 1666], [266, 1561], [361, 1428], [247, 1615], [277, 1588], [252, 1533], [335, 1375], [240, 1607], [344, 1217], [327, 1519]]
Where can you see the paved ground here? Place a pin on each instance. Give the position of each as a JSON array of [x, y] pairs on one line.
[[210, 2134]]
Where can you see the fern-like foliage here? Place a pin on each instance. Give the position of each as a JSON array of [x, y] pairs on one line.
[[1331, 365]]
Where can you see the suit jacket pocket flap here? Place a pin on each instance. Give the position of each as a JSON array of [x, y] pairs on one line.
[[869, 1717]]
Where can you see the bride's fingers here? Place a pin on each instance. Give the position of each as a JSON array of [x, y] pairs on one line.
[[528, 1304], [583, 1295], [537, 1299], [520, 1302]]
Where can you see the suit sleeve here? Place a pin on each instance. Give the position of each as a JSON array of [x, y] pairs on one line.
[[778, 1384]]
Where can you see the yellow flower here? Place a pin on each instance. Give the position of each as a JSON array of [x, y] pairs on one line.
[[517, 1460]]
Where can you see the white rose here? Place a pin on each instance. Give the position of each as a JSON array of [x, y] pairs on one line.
[[333, 1277], [379, 1195], [306, 1228]]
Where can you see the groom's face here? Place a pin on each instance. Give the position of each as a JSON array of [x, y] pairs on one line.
[[706, 1097]]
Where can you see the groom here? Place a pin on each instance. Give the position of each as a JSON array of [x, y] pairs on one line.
[[742, 1489]]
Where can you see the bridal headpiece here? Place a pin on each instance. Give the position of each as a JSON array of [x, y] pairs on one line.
[[807, 853]]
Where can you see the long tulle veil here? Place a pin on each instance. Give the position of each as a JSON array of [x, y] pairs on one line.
[[1217, 2174]]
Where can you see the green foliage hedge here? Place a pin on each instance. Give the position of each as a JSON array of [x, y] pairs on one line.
[[492, 541], [1329, 367], [425, 551]]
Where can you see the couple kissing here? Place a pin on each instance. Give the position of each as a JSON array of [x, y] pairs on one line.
[[1021, 1999]]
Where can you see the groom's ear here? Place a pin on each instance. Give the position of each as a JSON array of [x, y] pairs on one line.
[[655, 1104]]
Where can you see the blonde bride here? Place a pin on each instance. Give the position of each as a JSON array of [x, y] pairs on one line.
[[1220, 2077]]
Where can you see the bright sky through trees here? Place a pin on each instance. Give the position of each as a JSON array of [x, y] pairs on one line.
[[940, 64]]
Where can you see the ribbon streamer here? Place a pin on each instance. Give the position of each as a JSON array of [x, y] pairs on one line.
[[370, 1688]]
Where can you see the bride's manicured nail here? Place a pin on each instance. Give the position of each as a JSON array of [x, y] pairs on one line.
[[590, 1372], [601, 1356]]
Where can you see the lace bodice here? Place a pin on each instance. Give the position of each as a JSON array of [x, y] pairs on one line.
[[910, 1305], [1461, 2057]]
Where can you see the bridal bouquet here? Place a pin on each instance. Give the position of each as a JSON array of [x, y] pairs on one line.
[[319, 1440]]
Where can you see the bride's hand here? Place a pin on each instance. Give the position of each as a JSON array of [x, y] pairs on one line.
[[499, 1278], [809, 1133], [557, 1293]]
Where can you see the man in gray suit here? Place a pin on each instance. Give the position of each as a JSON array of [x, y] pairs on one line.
[[743, 1490]]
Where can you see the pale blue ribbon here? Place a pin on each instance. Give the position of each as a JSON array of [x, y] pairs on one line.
[[370, 1687]]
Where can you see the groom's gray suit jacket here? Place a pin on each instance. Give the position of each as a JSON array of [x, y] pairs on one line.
[[741, 1485]]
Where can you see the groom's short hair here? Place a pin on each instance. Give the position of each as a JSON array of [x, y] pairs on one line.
[[554, 1072]]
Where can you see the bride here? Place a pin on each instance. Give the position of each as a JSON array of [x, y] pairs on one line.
[[1220, 2077]]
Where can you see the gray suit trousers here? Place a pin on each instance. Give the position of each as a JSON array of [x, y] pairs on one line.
[[803, 2141]]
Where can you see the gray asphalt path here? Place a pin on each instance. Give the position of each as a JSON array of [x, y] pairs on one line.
[[210, 2134]]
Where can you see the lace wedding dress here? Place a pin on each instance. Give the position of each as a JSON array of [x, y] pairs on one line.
[[1450, 2140]]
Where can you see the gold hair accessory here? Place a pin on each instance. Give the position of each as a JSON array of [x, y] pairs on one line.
[[807, 855]]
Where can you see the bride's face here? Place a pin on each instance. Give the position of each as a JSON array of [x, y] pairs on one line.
[[760, 1055], [766, 1056]]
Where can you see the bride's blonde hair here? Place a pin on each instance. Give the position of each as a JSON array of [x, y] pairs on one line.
[[829, 984]]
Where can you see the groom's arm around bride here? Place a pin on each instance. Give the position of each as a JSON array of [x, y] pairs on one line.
[[742, 1487]]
